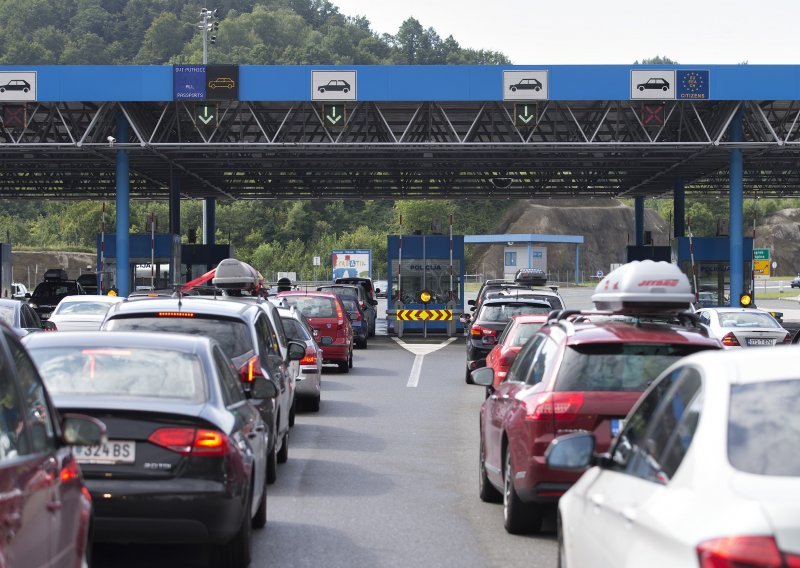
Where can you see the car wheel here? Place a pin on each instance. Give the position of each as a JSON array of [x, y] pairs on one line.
[[537, 89], [466, 376], [344, 367], [513, 89], [364, 343], [345, 90], [313, 404], [2, 90], [260, 518], [283, 455], [292, 412], [350, 360], [25, 90], [486, 490], [236, 553], [518, 517], [272, 466], [665, 89], [321, 90]]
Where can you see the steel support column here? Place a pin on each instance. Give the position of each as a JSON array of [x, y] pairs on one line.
[[577, 281], [679, 207], [174, 204], [209, 221], [736, 209], [638, 221], [123, 210]]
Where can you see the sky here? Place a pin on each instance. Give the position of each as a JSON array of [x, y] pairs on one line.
[[610, 32]]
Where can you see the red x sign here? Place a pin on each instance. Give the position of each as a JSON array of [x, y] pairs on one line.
[[653, 114], [14, 116]]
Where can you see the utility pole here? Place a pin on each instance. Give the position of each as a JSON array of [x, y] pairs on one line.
[[209, 21]]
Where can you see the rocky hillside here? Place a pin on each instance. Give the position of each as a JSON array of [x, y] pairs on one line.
[[605, 224], [780, 233], [28, 267]]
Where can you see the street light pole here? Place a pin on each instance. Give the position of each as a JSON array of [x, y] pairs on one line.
[[207, 24]]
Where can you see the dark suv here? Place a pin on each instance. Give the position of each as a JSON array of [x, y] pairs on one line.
[[48, 294], [359, 293], [245, 334], [365, 283], [489, 322]]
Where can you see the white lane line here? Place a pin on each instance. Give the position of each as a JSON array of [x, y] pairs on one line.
[[416, 369]]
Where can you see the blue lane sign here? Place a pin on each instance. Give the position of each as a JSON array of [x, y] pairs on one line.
[[189, 82], [693, 84]]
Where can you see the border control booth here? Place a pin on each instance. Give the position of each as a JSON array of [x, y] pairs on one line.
[[423, 264], [712, 264]]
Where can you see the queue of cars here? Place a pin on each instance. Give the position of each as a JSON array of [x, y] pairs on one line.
[[630, 415], [176, 408]]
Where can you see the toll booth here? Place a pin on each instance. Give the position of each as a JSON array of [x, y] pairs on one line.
[[712, 263], [172, 261], [424, 264]]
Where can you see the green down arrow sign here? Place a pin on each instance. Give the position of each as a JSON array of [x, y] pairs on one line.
[[207, 115], [525, 115], [333, 115]]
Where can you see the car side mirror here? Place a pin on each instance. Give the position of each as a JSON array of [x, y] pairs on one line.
[[297, 350], [27, 294], [573, 452], [261, 388], [463, 318], [482, 377], [470, 302], [82, 430]]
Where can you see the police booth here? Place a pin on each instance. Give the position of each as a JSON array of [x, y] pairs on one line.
[[712, 265], [422, 263]]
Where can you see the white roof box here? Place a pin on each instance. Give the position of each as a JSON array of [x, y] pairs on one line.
[[644, 286], [235, 274]]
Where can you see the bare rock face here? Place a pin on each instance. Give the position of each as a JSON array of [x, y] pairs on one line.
[[606, 225], [29, 266], [780, 233]]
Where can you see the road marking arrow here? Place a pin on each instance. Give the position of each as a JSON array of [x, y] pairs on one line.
[[527, 117], [205, 118]]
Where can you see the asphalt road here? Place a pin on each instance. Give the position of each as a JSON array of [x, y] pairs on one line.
[[384, 475]]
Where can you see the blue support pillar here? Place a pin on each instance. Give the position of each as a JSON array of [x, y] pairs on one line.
[[679, 207], [577, 280], [209, 221], [737, 209], [174, 205], [530, 255], [123, 210], [638, 221]]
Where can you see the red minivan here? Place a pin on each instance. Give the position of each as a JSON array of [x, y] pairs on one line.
[[330, 324]]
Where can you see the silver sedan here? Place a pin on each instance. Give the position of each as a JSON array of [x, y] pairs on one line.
[[309, 381], [743, 327]]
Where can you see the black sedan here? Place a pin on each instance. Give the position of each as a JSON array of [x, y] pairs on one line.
[[489, 322], [185, 457]]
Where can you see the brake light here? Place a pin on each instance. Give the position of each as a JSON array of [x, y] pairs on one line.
[[250, 370], [310, 357], [191, 441], [730, 340], [555, 405], [488, 335], [740, 552], [69, 472], [175, 314], [339, 314], [788, 339]]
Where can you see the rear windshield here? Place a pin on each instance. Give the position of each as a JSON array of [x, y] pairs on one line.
[[504, 312], [764, 428], [747, 319], [350, 304], [46, 289], [341, 291], [232, 335], [313, 306], [124, 373], [616, 366], [524, 332], [295, 330], [82, 308]]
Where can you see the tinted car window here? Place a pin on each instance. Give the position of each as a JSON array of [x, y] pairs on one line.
[[764, 428], [12, 438], [519, 368], [34, 401], [313, 306], [525, 332], [231, 386], [232, 335], [543, 363], [671, 431], [504, 312], [350, 304], [616, 366], [121, 373], [295, 330], [47, 289], [82, 308]]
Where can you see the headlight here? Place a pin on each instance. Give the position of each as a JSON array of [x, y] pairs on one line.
[[34, 306]]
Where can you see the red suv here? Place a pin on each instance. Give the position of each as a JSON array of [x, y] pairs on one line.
[[580, 372], [516, 334], [330, 324]]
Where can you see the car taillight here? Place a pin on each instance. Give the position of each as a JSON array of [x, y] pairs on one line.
[[310, 357], [557, 405], [730, 340], [186, 441], [788, 339], [339, 315], [742, 552], [250, 370], [363, 306], [488, 335]]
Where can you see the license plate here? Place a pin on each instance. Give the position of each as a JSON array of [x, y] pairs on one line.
[[113, 452], [760, 342], [315, 332], [617, 424]]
